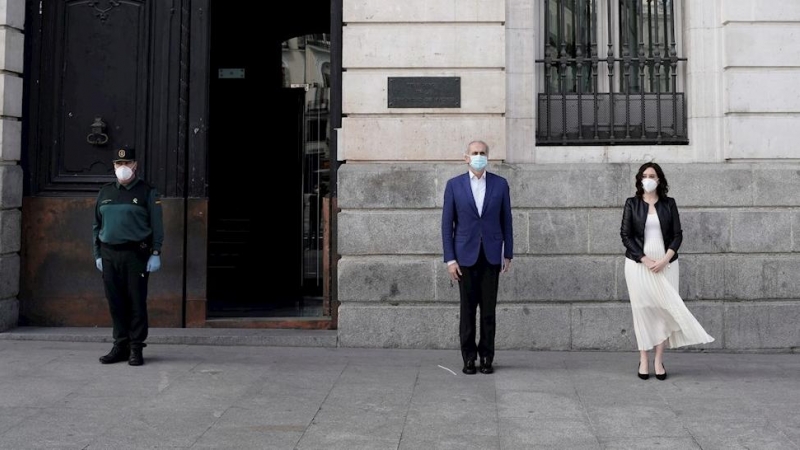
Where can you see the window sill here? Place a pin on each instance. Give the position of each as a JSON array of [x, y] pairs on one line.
[[613, 154]]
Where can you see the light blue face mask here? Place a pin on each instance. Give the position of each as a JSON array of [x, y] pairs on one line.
[[478, 162]]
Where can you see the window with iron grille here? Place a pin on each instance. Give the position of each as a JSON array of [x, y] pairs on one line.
[[610, 74]]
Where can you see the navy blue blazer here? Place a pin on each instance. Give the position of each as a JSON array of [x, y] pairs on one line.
[[463, 230]]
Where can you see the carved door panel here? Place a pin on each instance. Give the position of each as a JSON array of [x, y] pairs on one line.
[[106, 74]]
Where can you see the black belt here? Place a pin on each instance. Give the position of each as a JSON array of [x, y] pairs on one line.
[[124, 245]]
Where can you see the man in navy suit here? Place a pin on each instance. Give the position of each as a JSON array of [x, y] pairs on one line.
[[478, 243]]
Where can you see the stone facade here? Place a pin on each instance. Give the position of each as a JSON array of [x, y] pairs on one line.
[[739, 206], [567, 290], [737, 182], [12, 19]]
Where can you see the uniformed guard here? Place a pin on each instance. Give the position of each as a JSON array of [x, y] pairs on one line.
[[128, 233]]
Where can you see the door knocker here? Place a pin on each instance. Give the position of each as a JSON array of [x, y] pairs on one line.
[[98, 135]]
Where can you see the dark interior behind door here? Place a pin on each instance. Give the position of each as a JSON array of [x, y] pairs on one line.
[[258, 188]]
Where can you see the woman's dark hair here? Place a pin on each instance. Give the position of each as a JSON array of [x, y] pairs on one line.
[[663, 186]]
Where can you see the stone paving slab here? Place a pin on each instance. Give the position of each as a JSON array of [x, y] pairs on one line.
[[56, 395]]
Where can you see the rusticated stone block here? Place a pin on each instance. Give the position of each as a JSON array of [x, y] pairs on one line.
[[705, 231], [702, 277], [383, 279], [760, 277], [9, 313], [11, 50], [776, 185], [796, 231], [559, 231], [533, 327], [10, 187], [10, 139], [559, 278], [9, 275], [566, 185], [709, 184], [762, 325], [390, 232], [519, 326], [12, 13], [604, 228], [10, 230], [10, 95], [607, 326], [398, 326], [386, 186], [761, 231]]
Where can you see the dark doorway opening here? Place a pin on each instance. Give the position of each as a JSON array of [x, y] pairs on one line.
[[268, 177]]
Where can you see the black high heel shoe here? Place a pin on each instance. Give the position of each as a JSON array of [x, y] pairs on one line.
[[642, 376], [662, 376]]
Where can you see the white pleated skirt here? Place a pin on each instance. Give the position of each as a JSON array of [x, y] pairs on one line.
[[659, 313]]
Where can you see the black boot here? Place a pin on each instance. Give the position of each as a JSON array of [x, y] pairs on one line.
[[117, 354], [136, 358]]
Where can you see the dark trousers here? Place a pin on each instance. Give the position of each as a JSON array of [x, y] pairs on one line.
[[478, 288], [125, 281]]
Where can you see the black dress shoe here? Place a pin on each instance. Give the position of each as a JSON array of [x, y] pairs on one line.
[[486, 366], [469, 367], [643, 376], [136, 358], [117, 354], [662, 376]]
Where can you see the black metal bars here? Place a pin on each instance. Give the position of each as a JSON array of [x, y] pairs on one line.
[[639, 104]]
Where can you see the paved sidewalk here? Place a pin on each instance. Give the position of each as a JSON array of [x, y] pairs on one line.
[[55, 395]]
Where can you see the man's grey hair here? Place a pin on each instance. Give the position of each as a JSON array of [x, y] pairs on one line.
[[466, 151]]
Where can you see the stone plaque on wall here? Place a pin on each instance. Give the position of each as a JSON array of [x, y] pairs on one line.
[[424, 92]]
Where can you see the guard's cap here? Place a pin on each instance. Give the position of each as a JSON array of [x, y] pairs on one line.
[[125, 154]]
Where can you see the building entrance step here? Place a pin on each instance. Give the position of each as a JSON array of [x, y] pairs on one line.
[[266, 337]]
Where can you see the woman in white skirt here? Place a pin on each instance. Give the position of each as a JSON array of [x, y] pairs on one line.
[[651, 232]]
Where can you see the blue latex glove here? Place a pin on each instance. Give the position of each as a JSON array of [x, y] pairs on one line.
[[99, 264], [154, 263]]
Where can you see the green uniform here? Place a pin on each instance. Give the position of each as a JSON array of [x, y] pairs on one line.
[[125, 214], [127, 229]]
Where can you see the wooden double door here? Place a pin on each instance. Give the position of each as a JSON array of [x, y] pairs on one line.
[[196, 86]]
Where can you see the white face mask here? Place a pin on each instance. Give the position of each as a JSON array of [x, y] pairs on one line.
[[124, 173], [649, 184], [478, 162]]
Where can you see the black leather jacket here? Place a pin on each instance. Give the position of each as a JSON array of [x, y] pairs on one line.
[[634, 217]]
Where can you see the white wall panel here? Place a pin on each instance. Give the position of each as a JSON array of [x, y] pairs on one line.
[[763, 136], [420, 138], [761, 11], [763, 90], [12, 46], [424, 11], [423, 46], [762, 45], [366, 91]]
